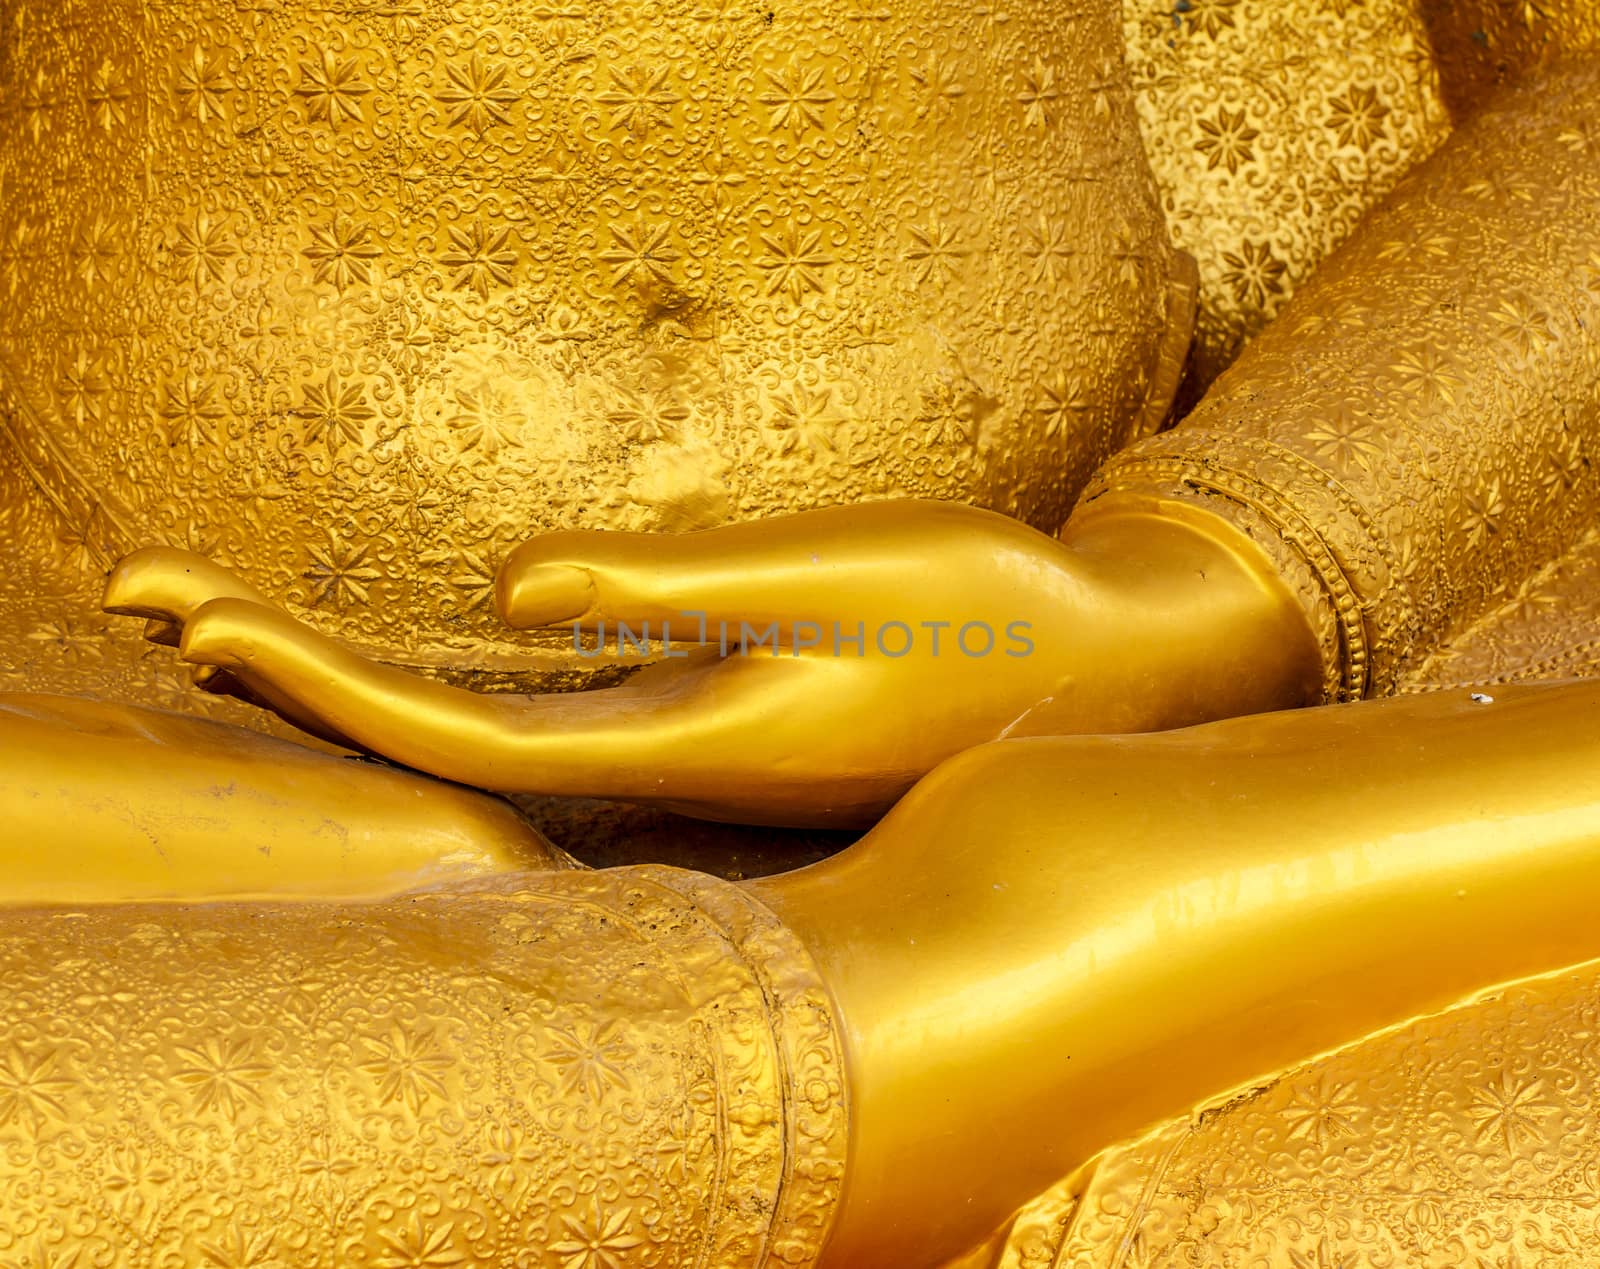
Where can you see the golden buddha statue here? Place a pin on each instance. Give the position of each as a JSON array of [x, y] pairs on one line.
[[328, 310]]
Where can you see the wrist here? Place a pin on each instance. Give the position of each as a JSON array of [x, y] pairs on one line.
[[1193, 605]]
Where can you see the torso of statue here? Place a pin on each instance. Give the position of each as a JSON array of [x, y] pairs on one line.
[[468, 272]]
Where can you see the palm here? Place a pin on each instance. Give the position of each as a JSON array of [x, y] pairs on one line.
[[848, 651]]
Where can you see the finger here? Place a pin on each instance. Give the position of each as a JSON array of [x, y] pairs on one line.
[[725, 739], [216, 681], [167, 585], [836, 564], [166, 633]]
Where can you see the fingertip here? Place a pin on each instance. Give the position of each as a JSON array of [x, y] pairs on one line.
[[542, 594], [126, 592], [161, 631], [207, 653], [154, 581], [212, 635], [211, 678]]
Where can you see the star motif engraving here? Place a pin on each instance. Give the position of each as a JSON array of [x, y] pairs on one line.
[[95, 248], [1050, 248], [803, 419], [794, 262], [1322, 1112], [1209, 17], [639, 99], [486, 420], [645, 420], [1511, 1112], [340, 575], [474, 580], [221, 1075], [640, 251], [1225, 140], [240, 1249], [409, 1067], [478, 98], [938, 84], [1480, 513], [796, 99], [335, 414], [1041, 93], [82, 388], [481, 258], [1524, 326], [596, 1241], [421, 1247], [192, 412], [933, 252], [1357, 117], [203, 86], [202, 248], [1253, 272], [75, 642], [592, 1059], [107, 96], [31, 1085], [48, 1255], [1427, 376], [1064, 405], [1348, 440], [342, 253], [332, 89], [37, 102]]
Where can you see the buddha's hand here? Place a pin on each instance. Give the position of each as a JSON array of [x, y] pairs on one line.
[[839, 654]]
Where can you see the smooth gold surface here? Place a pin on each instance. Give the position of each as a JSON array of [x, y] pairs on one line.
[[1130, 623], [114, 803], [1052, 944]]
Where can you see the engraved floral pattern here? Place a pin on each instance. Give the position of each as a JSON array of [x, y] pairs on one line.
[[1430, 447], [1271, 127], [1440, 1144], [322, 1087], [711, 266]]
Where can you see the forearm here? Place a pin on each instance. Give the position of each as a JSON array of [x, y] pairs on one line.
[[1052, 945], [1413, 433], [102, 802]]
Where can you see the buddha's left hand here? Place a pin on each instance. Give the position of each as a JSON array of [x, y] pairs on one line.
[[906, 632]]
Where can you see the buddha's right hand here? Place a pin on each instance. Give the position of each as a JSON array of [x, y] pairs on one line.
[[906, 632]]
